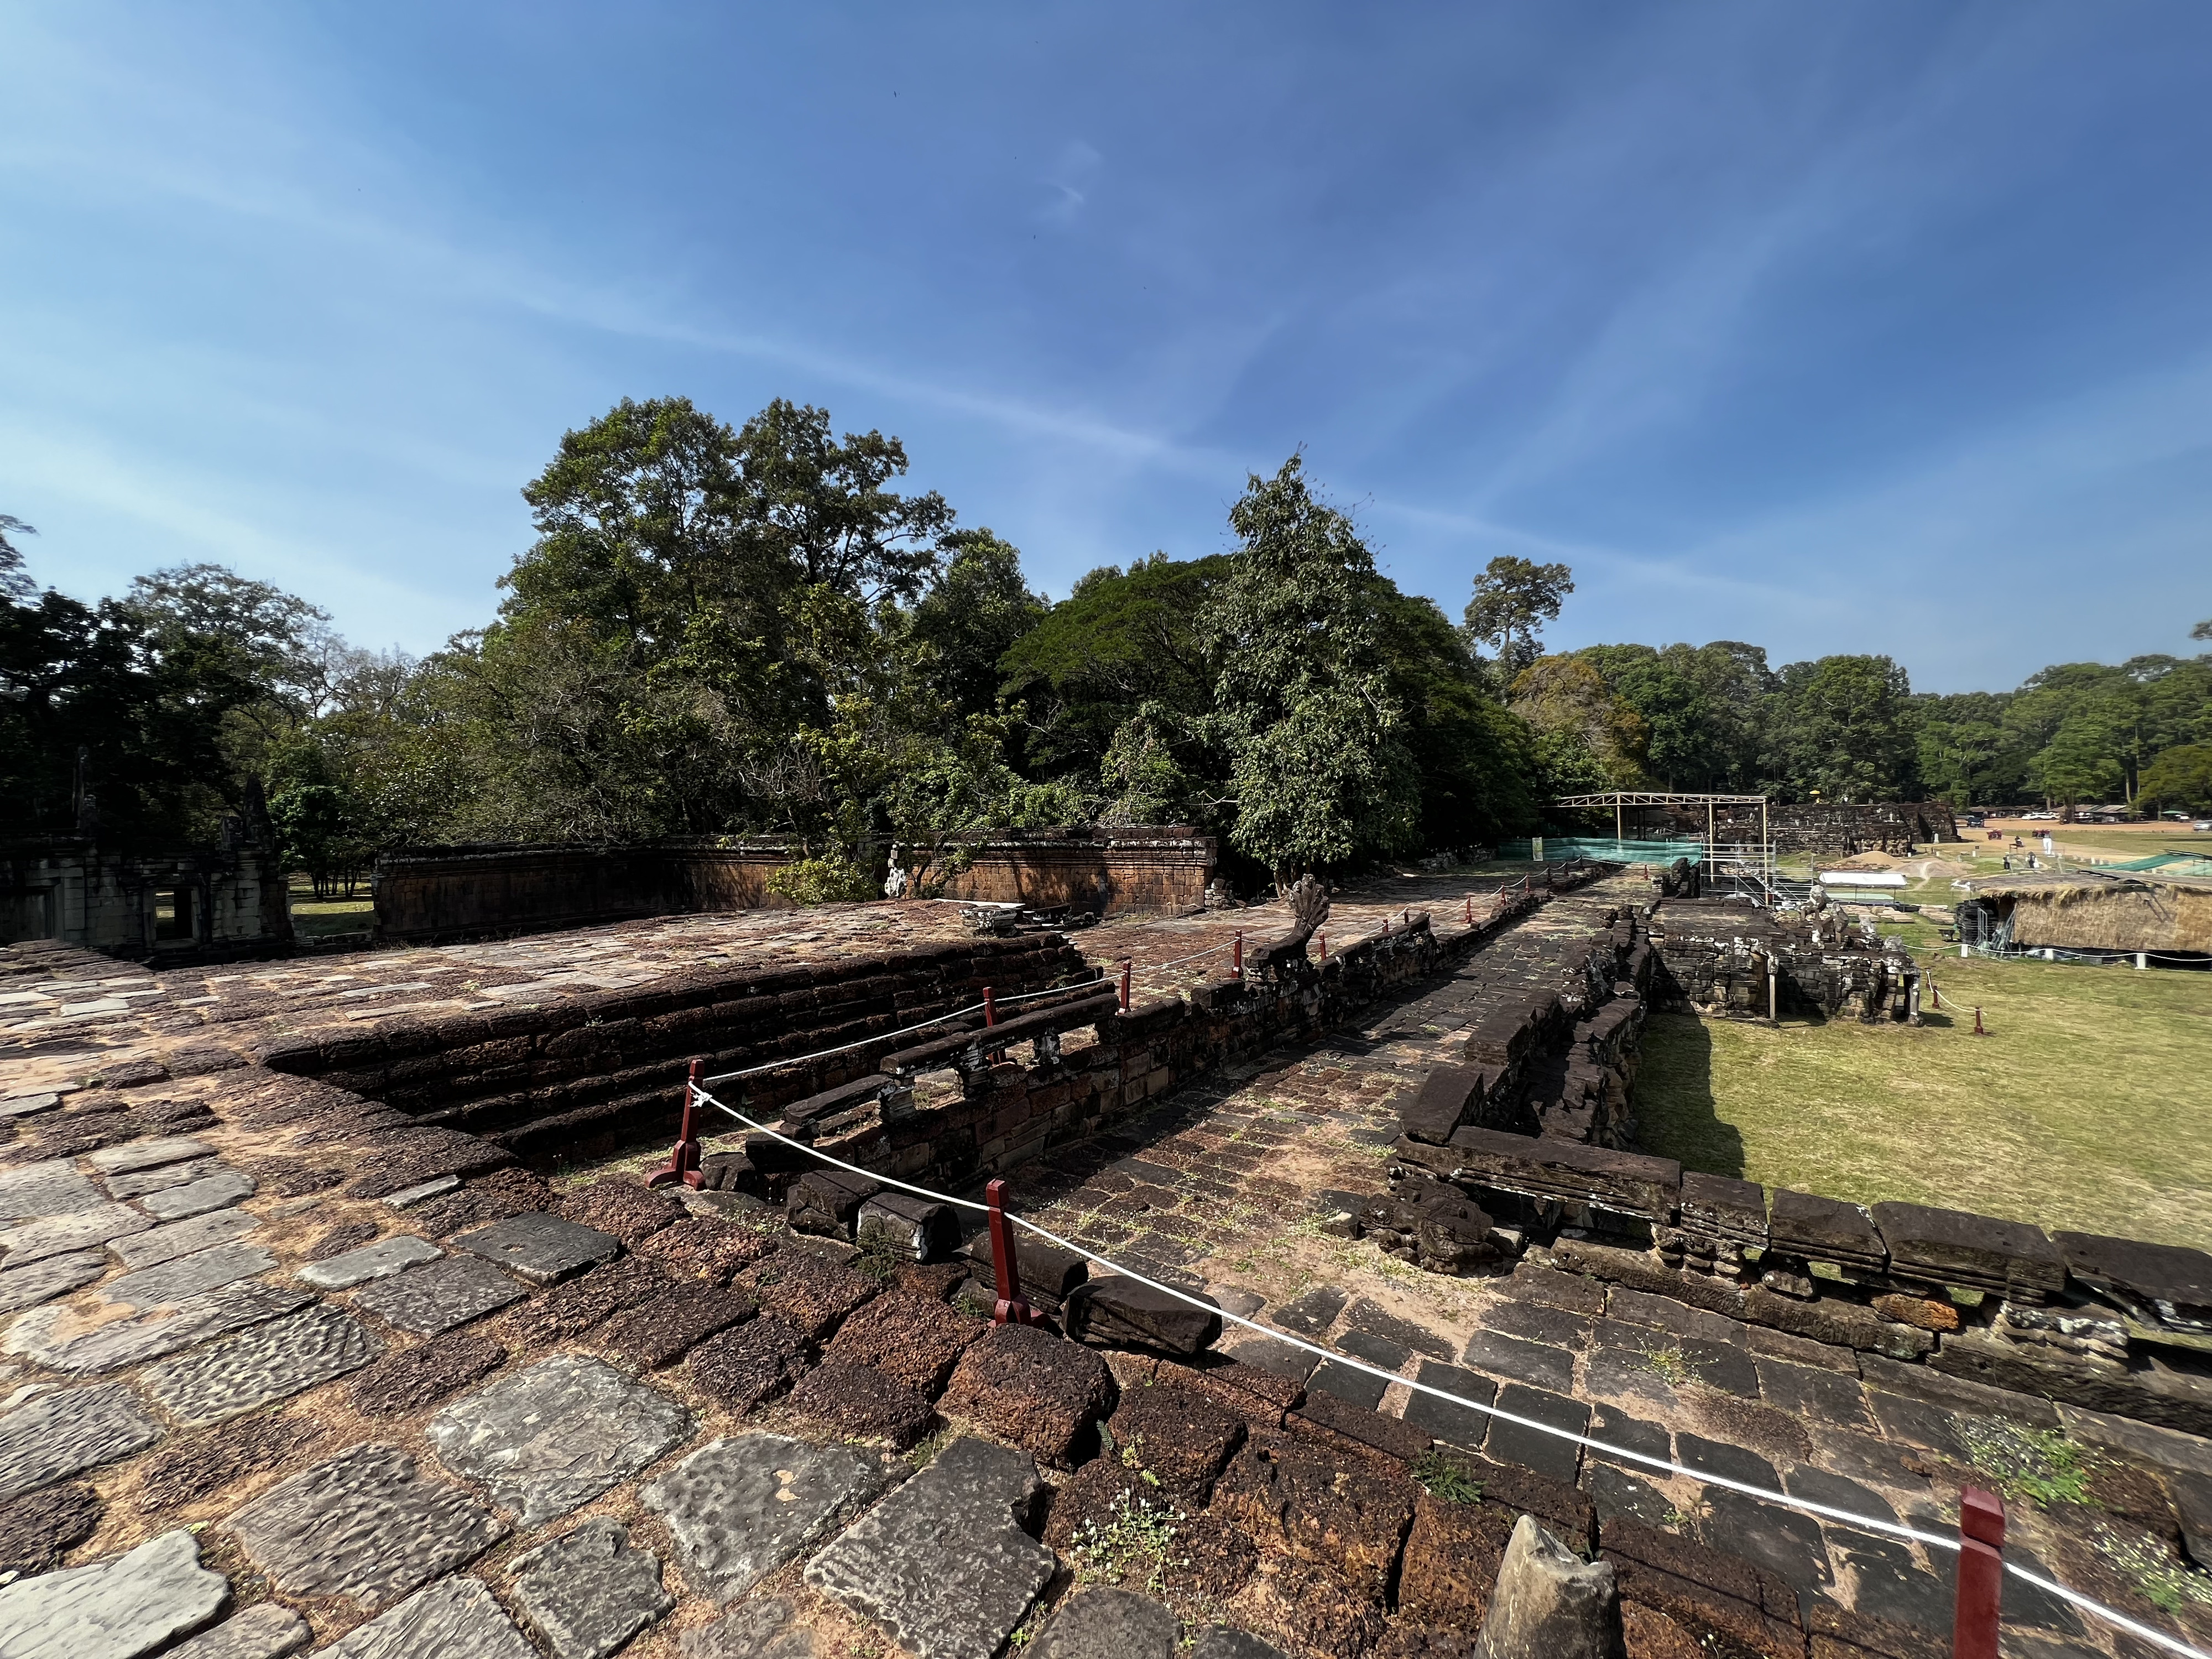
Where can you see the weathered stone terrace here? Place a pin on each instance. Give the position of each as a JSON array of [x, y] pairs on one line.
[[255, 1384]]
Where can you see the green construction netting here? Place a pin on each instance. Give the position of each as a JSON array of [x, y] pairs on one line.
[[1556, 848]]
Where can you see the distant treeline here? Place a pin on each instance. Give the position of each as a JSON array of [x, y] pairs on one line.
[[750, 630]]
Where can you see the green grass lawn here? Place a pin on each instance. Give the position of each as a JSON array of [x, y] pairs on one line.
[[2088, 1105], [313, 918]]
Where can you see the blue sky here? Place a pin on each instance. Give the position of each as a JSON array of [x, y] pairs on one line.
[[1884, 326]]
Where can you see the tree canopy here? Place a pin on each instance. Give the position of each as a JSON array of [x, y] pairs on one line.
[[720, 630]]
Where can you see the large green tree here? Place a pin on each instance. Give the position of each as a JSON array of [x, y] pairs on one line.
[[1319, 770], [1513, 598], [1842, 730]]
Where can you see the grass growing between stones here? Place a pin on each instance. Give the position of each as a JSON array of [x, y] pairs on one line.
[[1132, 1550], [2038, 1465], [2082, 1108]]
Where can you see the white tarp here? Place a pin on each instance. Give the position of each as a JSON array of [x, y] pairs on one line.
[[1860, 878]]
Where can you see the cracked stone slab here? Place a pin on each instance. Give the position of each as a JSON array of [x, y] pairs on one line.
[[589, 1592], [741, 1507], [28, 1105], [265, 1631], [272, 1361], [1108, 1624], [437, 1186], [433, 1299], [60, 1338], [61, 1235], [53, 1188], [214, 1192], [42, 1280], [542, 1247], [548, 1439], [768, 1628], [365, 1525], [944, 1563], [148, 1154], [379, 1260], [68, 1431], [456, 1617], [119, 1609], [202, 1232], [141, 1182], [189, 1276]]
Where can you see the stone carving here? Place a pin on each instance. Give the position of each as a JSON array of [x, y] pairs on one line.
[[1309, 901]]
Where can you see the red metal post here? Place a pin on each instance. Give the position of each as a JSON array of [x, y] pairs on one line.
[[683, 1162], [1012, 1309], [1470, 909], [1324, 947], [1127, 963], [1237, 956], [1979, 1031], [1981, 1575], [1386, 927], [990, 1007]]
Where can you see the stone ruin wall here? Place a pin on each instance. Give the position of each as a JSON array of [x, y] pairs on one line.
[[76, 893], [1717, 959], [2106, 1324], [593, 1074], [433, 895], [1520, 1150], [1100, 869]]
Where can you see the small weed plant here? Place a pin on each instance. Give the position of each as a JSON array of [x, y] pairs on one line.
[[2040, 1465], [2165, 1582], [1445, 1480], [1669, 1364], [1136, 1546]]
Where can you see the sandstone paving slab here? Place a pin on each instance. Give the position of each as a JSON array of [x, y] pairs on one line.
[[214, 1192], [62, 1235], [588, 1592], [62, 1338], [539, 1246], [1108, 1624], [740, 1508], [262, 1631], [166, 1243], [379, 1260], [272, 1361], [365, 1525], [117, 1609], [408, 1197], [189, 1276], [68, 1431], [434, 1298], [548, 1439], [53, 1188], [28, 1105], [455, 1618], [139, 1182], [768, 1628], [148, 1154], [944, 1563], [48, 1278]]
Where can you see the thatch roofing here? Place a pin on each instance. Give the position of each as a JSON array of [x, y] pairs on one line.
[[2088, 910]]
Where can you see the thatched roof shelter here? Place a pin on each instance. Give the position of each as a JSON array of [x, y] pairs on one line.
[[2089, 910]]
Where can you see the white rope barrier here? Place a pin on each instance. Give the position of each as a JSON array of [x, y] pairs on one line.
[[904, 1031], [1866, 1522]]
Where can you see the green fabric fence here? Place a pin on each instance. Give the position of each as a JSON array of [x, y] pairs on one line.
[[1556, 848]]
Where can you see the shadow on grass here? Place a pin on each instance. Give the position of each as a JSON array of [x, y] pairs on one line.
[[1675, 1113]]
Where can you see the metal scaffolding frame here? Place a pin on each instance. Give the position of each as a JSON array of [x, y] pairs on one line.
[[1740, 865]]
